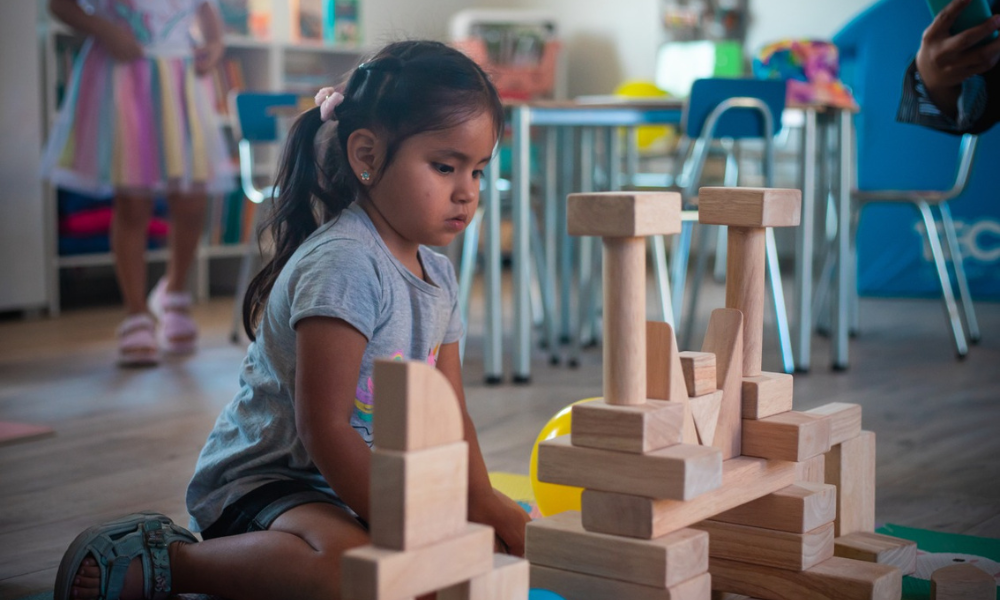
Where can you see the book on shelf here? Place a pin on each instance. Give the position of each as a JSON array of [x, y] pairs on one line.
[[260, 19], [309, 19], [228, 77], [342, 23], [235, 16]]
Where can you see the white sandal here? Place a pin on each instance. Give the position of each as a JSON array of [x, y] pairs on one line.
[[137, 341], [178, 333]]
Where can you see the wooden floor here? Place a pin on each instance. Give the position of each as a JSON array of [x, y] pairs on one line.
[[128, 439]]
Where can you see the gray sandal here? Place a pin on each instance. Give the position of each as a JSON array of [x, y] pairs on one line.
[[114, 544]]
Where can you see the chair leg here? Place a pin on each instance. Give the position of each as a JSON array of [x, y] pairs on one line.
[[778, 294], [659, 249], [701, 266], [942, 270], [963, 283], [467, 270], [678, 268], [544, 299], [721, 242]]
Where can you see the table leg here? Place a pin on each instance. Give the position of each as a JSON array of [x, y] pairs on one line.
[[493, 351], [806, 245], [844, 281], [521, 195]]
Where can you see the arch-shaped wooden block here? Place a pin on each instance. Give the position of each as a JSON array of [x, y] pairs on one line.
[[415, 407], [624, 214]]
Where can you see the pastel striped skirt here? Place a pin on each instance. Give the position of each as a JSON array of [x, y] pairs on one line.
[[141, 126]]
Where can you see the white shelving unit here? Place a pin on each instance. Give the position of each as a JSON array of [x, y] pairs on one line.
[[281, 64]]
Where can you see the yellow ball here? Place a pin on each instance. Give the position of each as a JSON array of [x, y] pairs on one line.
[[550, 497]]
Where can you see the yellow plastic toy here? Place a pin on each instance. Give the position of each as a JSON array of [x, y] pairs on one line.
[[647, 135], [550, 497]]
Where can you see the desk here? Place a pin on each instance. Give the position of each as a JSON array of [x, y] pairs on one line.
[[572, 114]]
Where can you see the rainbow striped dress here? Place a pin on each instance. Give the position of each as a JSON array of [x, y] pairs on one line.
[[144, 126]]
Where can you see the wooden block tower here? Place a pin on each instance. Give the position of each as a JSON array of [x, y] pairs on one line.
[[790, 481], [421, 538]]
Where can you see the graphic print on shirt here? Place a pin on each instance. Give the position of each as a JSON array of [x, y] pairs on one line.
[[364, 396]]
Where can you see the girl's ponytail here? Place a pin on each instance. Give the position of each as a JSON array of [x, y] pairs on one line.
[[303, 179]]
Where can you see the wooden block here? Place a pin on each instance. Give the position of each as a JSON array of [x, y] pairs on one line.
[[705, 410], [724, 338], [623, 214], [878, 548], [791, 435], [962, 582], [637, 428], [664, 374], [508, 580], [417, 407], [749, 207], [766, 395], [578, 586], [681, 471], [370, 572], [767, 547], [745, 260], [560, 542], [419, 497], [833, 579], [699, 372], [624, 288], [797, 508], [811, 470], [845, 420], [743, 479], [850, 466]]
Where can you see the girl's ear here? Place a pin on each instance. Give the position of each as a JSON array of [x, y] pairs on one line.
[[364, 153]]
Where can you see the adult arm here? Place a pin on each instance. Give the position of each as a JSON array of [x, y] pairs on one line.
[[208, 55], [117, 39]]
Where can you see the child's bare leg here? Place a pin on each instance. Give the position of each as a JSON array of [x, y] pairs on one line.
[[128, 242], [298, 557], [187, 220]]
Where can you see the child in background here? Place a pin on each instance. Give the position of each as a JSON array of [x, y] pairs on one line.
[[281, 489], [136, 121]]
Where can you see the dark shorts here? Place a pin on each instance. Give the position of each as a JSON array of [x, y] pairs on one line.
[[258, 509]]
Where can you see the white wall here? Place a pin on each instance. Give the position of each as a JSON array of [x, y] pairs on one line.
[[22, 233], [385, 21], [819, 19]]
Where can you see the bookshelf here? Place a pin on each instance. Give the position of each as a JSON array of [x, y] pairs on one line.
[[278, 62]]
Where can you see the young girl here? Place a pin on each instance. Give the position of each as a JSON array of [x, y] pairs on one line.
[[281, 487], [136, 122]]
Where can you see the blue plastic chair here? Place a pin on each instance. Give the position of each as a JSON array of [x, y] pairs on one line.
[[732, 109], [898, 162], [256, 124]]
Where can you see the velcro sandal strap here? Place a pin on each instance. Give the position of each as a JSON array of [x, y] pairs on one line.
[[116, 577], [159, 560]]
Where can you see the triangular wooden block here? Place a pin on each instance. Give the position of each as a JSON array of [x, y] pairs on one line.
[[724, 338], [705, 410], [664, 375]]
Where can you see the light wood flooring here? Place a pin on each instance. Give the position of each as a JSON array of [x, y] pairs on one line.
[[128, 439]]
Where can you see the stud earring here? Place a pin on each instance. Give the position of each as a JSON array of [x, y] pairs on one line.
[[365, 175]]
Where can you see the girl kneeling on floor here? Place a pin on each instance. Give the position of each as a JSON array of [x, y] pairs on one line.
[[281, 488]]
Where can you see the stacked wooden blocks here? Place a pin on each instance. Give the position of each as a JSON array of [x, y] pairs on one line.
[[421, 538], [790, 481]]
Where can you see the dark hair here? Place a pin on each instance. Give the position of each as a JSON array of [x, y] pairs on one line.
[[405, 89]]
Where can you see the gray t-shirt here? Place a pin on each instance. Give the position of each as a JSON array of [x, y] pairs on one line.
[[344, 270]]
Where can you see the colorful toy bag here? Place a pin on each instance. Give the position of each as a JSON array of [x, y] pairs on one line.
[[810, 67]]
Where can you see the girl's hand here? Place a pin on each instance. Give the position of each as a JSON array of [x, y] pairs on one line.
[[207, 57], [507, 519], [121, 44]]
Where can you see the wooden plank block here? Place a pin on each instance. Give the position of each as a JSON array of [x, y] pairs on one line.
[[850, 466], [724, 338], [560, 542], [811, 470], [791, 435], [705, 410], [417, 407], [743, 479], [749, 207], [578, 586], [962, 582], [637, 428], [681, 471], [833, 579], [878, 548], [797, 508], [419, 497], [845, 420], [664, 374], [508, 580], [767, 547], [699, 372], [623, 214], [370, 572], [767, 394]]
